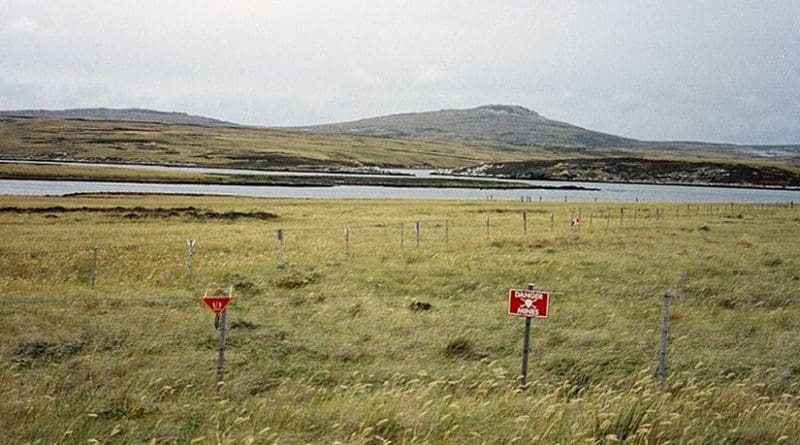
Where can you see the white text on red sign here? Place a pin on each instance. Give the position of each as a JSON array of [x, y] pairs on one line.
[[528, 303]]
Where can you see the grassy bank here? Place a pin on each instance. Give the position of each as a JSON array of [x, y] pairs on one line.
[[326, 346], [120, 174]]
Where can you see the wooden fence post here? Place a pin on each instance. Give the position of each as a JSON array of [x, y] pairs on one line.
[[525, 223], [661, 373], [190, 243], [94, 266], [280, 236]]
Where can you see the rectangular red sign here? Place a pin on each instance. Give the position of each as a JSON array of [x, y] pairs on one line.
[[217, 304], [528, 303]]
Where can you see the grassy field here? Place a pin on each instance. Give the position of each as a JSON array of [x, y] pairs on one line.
[[329, 347]]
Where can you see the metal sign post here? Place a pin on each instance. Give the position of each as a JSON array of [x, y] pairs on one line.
[[218, 304], [528, 303], [223, 330], [526, 348]]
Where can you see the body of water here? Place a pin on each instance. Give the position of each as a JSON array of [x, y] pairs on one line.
[[607, 191]]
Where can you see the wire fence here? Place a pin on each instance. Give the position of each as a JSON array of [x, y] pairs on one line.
[[180, 261]]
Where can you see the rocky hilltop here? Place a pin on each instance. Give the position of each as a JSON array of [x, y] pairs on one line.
[[516, 125], [510, 124]]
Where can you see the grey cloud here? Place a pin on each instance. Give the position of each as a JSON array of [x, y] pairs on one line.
[[726, 71]]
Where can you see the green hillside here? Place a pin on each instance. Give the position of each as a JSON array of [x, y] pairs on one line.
[[234, 146]]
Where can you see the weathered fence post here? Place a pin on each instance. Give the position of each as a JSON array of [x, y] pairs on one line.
[[662, 346], [190, 243], [347, 240], [417, 229], [487, 225], [525, 223], [94, 266], [552, 217], [280, 236]]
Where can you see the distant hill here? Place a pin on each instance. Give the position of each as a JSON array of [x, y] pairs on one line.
[[508, 124], [516, 125], [118, 114]]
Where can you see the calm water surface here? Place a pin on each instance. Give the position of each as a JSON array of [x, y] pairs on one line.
[[606, 192]]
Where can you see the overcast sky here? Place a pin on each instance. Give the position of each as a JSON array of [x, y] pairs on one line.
[[723, 71]]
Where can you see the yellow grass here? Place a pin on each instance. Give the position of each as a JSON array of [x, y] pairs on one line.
[[323, 347]]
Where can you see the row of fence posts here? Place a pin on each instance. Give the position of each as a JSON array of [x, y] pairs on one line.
[[191, 243], [280, 233]]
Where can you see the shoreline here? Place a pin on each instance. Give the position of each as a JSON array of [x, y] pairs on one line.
[[395, 179], [676, 184], [298, 181]]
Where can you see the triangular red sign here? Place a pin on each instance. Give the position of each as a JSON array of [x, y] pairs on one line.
[[217, 304]]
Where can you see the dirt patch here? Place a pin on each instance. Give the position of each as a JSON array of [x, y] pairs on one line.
[[244, 325], [135, 213], [28, 354], [418, 306], [294, 279], [459, 348]]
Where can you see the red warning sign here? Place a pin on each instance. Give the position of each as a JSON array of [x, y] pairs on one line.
[[528, 303], [217, 304]]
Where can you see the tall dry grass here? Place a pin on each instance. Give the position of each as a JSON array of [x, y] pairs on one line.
[[326, 347]]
